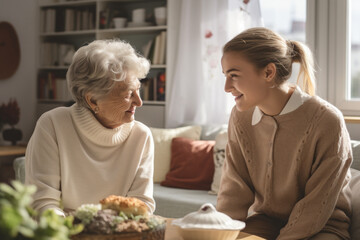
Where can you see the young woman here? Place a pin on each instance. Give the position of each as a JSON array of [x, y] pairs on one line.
[[288, 154]]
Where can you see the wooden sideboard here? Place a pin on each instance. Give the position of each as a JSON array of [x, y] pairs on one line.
[[7, 157]]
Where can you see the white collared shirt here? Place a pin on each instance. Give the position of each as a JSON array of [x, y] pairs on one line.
[[297, 98]]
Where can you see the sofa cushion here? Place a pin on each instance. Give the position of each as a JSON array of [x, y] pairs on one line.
[[192, 164], [356, 154], [162, 142], [177, 202], [355, 204], [209, 132], [219, 158]]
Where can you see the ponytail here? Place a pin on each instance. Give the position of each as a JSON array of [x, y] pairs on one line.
[[301, 54]]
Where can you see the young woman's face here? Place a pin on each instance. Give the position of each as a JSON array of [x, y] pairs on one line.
[[119, 105], [246, 83]]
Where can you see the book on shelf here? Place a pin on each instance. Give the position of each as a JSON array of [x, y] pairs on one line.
[[48, 19], [68, 19], [162, 52], [155, 49], [55, 54], [52, 87], [147, 47], [160, 86], [156, 55], [153, 88], [146, 91]]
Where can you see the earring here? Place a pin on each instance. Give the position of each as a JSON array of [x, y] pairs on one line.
[[96, 110]]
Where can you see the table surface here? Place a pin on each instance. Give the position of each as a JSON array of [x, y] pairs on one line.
[[12, 150], [172, 234]]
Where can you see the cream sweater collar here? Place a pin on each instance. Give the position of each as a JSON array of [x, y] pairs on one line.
[[92, 129]]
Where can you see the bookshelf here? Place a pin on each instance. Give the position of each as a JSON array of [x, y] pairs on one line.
[[66, 25]]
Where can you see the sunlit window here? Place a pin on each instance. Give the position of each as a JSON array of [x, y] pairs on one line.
[[355, 50], [288, 18]]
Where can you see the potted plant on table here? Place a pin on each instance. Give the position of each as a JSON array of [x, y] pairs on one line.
[[17, 218], [10, 114]]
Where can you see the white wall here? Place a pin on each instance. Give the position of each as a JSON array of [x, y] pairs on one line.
[[22, 85]]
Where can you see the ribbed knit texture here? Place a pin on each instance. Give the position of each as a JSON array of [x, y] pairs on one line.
[[97, 133], [72, 158], [293, 167]]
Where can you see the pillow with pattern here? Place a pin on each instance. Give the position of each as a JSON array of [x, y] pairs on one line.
[[219, 159]]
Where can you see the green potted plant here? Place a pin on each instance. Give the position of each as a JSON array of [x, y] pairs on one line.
[[17, 218], [10, 114]]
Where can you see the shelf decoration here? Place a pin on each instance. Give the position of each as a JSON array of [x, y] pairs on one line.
[[10, 114], [9, 50]]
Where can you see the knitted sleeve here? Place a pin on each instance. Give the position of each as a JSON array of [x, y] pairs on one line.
[[326, 202], [142, 186], [236, 191], [42, 166]]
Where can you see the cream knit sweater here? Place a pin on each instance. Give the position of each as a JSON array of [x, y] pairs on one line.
[[294, 167], [71, 158]]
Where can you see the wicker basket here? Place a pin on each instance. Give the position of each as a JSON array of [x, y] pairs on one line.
[[156, 234]]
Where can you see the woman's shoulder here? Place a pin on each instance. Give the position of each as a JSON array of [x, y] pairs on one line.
[[55, 113], [141, 127], [326, 113]]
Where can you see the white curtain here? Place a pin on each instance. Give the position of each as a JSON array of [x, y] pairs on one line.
[[197, 31]]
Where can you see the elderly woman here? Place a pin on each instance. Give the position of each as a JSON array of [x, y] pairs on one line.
[[83, 153]]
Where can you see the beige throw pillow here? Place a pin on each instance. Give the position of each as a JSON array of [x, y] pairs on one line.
[[162, 141], [219, 158]]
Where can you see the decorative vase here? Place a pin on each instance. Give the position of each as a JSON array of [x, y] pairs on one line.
[[12, 134]]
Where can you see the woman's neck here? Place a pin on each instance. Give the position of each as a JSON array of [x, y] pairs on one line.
[[278, 97]]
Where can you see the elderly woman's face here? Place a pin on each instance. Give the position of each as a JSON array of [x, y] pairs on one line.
[[119, 105]]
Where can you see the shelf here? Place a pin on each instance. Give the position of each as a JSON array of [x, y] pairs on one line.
[[53, 67], [158, 103], [57, 15], [133, 29], [158, 66], [69, 33], [67, 3], [52, 101]]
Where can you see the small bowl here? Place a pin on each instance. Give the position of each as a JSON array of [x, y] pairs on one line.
[[209, 224]]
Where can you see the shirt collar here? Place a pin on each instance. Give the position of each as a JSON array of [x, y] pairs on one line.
[[297, 98]]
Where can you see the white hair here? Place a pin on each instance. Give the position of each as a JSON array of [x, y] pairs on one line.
[[96, 68]]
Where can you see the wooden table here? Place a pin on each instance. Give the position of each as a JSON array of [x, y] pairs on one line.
[[7, 157], [172, 234], [6, 151]]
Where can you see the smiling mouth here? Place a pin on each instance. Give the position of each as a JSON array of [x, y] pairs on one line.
[[238, 97], [131, 111]]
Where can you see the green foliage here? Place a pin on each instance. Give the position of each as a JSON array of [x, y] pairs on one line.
[[17, 217], [86, 212]]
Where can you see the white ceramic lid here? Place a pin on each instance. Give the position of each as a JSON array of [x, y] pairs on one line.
[[208, 218]]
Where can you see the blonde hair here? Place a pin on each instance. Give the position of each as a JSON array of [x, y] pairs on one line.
[[96, 68], [262, 46]]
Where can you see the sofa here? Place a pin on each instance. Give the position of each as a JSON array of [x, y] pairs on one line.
[[176, 202]]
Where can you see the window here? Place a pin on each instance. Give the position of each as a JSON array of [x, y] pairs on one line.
[[355, 50], [288, 18], [329, 27], [285, 17], [344, 62]]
